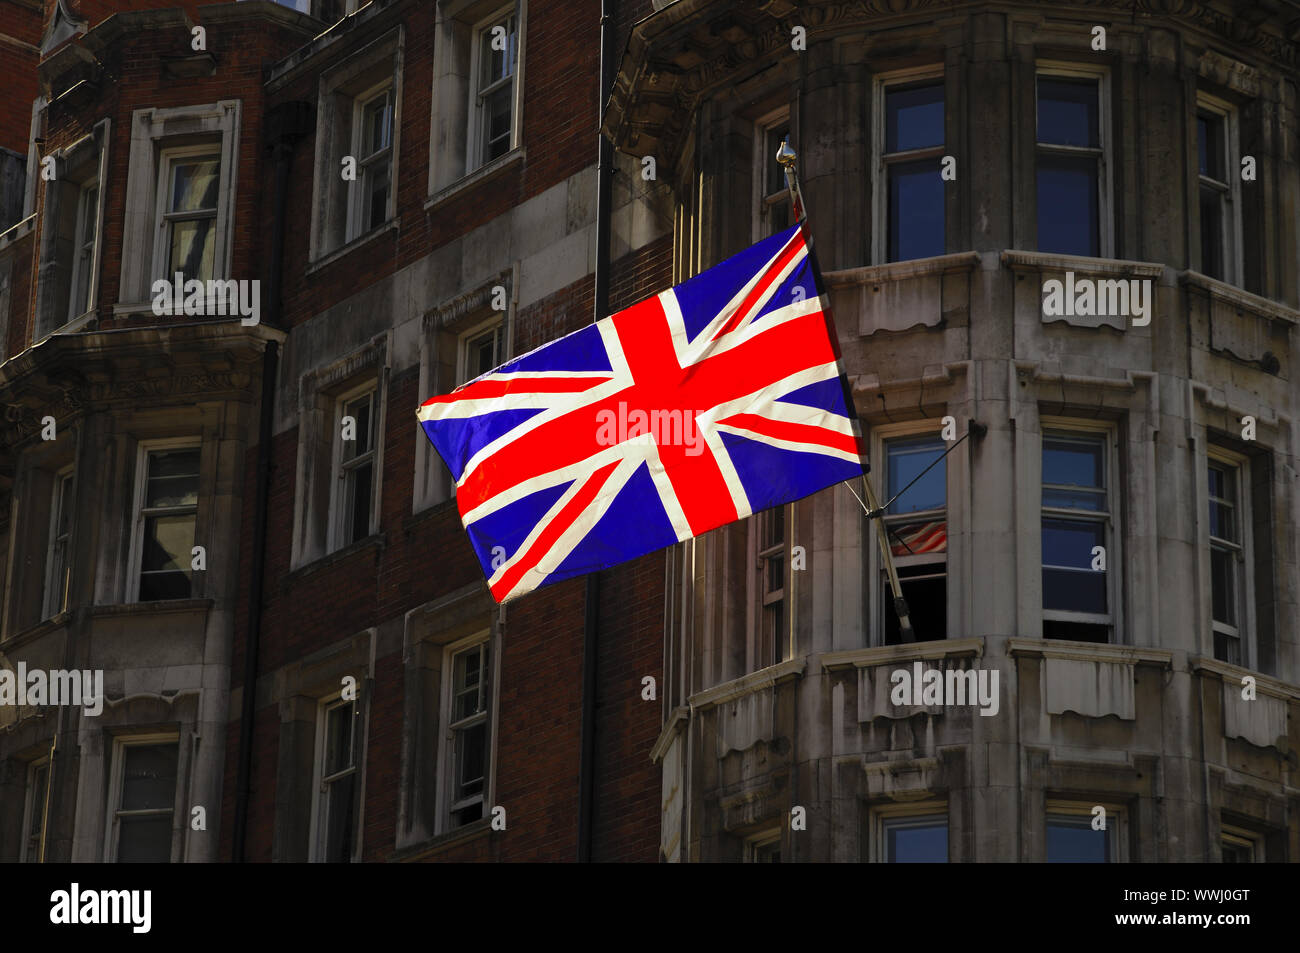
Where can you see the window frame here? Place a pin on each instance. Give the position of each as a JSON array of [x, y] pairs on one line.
[[1239, 837], [1116, 825], [907, 813], [112, 839], [30, 807], [136, 558], [756, 845], [1230, 201], [1111, 520], [1217, 456], [340, 468], [881, 595], [168, 158], [764, 152], [318, 831], [881, 85], [53, 540], [85, 255], [1103, 152], [495, 323], [764, 651], [475, 143], [447, 805], [355, 226]]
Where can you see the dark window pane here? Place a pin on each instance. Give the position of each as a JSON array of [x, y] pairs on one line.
[[194, 184], [498, 123], [1211, 233], [914, 117], [1223, 585], [359, 411], [1067, 112], [917, 844], [1074, 841], [1076, 631], [906, 459], [377, 198], [173, 478], [1069, 591], [1067, 205], [915, 210], [774, 633], [338, 738], [338, 830], [775, 574], [1227, 649], [164, 585], [145, 840], [1235, 854], [167, 543], [1070, 461], [1069, 543], [148, 777], [360, 478], [467, 815], [1209, 146], [775, 177], [927, 603], [471, 747]]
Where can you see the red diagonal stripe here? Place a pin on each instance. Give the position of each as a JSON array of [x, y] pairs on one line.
[[796, 433], [760, 290], [498, 387]]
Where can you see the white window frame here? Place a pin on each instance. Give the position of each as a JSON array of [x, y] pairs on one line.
[[446, 735], [339, 468], [890, 815], [319, 804], [1116, 823], [168, 158], [138, 514], [1229, 191], [120, 744], [465, 338], [1103, 152], [360, 192], [757, 844], [880, 160], [85, 254], [765, 147], [1240, 837], [763, 597], [883, 597], [31, 808], [50, 608], [1111, 520], [1245, 630], [475, 145]]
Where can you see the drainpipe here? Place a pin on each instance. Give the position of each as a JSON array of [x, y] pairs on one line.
[[286, 124], [591, 621]]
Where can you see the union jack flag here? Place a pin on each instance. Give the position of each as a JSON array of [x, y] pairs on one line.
[[710, 401]]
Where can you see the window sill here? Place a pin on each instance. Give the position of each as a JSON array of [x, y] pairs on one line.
[[426, 512], [443, 842], [34, 632], [155, 607], [482, 174], [392, 225], [377, 541]]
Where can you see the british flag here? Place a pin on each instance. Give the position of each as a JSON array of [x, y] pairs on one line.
[[710, 401]]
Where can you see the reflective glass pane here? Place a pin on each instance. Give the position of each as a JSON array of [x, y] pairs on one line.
[[145, 840], [1071, 840], [914, 117], [192, 248], [1223, 585], [167, 542], [1073, 461], [378, 124], [915, 210], [471, 746], [148, 777], [194, 184], [917, 843], [173, 478], [1067, 111], [1067, 205], [905, 459]]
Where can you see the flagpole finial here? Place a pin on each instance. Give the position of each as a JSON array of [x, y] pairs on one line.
[[786, 158]]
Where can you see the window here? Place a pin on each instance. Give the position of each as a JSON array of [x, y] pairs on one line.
[[57, 564], [1076, 522], [1229, 523], [334, 790], [764, 848], [1073, 837], [493, 93], [912, 834], [166, 509], [1218, 189], [353, 506], [481, 351], [773, 643], [1238, 846], [187, 213], [468, 736], [83, 262], [773, 213], [373, 149], [1071, 169], [917, 528], [35, 812], [143, 799], [910, 193]]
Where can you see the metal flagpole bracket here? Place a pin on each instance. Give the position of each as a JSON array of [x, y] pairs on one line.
[[786, 158]]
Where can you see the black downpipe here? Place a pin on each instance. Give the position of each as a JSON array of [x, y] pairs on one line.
[[285, 125], [591, 611]]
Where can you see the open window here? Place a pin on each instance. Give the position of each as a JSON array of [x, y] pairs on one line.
[[916, 525], [467, 742], [335, 780]]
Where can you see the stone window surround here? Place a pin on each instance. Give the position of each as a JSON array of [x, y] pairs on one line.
[[76, 165], [362, 72], [756, 581], [118, 754], [152, 131], [143, 449], [31, 806], [318, 392], [880, 814], [431, 630], [452, 113], [1117, 828], [1233, 264], [449, 324]]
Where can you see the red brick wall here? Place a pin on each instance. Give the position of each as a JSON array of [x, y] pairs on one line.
[[22, 25]]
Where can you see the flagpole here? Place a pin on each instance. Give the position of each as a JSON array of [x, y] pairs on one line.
[[786, 157]]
